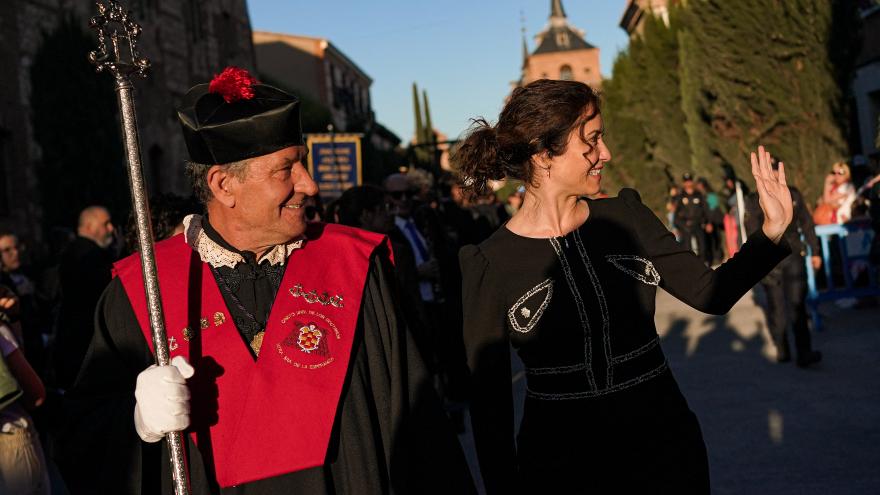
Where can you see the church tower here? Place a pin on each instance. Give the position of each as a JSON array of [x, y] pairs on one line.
[[562, 53]]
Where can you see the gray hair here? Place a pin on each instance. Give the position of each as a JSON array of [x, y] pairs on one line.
[[197, 173]]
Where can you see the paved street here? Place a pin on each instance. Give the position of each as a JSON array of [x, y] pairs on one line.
[[774, 428]]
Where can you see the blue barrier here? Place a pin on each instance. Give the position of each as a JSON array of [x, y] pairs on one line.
[[854, 243]]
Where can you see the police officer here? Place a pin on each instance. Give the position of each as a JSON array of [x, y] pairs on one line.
[[692, 216], [786, 285]]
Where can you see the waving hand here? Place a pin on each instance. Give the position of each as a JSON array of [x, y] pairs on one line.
[[773, 194]]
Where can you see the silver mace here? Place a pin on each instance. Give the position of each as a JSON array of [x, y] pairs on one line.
[[113, 23]]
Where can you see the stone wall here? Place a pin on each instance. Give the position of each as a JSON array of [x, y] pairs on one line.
[[187, 41]]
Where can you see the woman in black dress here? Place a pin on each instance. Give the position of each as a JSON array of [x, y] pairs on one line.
[[571, 283]]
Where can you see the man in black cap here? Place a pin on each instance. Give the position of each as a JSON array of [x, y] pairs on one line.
[[292, 370], [692, 216]]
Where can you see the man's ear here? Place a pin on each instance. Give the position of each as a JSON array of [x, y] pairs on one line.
[[221, 184]]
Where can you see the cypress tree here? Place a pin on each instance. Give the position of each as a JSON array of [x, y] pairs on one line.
[[420, 132], [761, 72], [429, 136], [643, 112]]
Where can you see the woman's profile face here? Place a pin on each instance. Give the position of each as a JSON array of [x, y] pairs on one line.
[[578, 171]]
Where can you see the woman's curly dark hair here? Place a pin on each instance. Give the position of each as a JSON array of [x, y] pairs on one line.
[[538, 118]]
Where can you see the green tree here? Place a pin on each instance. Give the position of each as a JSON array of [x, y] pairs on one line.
[[764, 72], [643, 112]]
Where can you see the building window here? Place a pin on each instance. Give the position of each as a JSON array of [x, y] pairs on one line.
[[562, 39], [565, 73]]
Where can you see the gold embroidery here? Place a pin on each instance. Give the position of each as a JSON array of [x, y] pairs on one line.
[[257, 342], [203, 323], [219, 318], [312, 297], [187, 334]]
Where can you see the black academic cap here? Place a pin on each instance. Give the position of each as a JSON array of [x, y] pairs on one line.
[[235, 117]]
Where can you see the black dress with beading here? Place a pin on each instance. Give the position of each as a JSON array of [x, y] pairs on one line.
[[602, 410]]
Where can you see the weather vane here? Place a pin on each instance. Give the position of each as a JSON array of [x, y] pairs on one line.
[[117, 53]]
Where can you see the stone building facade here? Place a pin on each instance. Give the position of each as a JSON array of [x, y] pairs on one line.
[[635, 12], [317, 69], [186, 41], [561, 53]]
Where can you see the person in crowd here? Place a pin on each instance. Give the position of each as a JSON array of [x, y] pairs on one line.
[[400, 195], [34, 321], [85, 270], [733, 238], [366, 207], [714, 222], [22, 463], [839, 192], [786, 285], [439, 278], [292, 370], [571, 284], [455, 214], [692, 217], [671, 199], [167, 212], [314, 210], [514, 201]]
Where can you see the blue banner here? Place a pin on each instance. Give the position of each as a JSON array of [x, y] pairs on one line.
[[334, 162]]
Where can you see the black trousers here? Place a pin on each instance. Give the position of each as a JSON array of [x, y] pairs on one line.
[[695, 240], [786, 288]]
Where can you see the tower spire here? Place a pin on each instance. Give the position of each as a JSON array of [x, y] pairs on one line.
[[556, 9], [525, 46]]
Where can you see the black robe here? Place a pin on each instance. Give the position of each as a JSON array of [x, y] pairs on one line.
[[390, 435]]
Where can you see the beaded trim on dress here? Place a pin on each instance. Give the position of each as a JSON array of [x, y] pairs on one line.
[[216, 255]]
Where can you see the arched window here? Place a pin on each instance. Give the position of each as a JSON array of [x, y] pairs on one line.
[[565, 73]]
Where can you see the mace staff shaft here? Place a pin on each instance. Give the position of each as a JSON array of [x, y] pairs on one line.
[[114, 25], [141, 206]]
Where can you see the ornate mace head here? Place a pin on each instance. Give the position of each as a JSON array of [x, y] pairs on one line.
[[114, 23]]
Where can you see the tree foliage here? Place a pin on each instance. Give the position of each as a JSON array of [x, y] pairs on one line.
[[762, 72], [723, 77], [643, 112]]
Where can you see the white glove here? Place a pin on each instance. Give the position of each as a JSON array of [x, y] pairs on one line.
[[162, 400]]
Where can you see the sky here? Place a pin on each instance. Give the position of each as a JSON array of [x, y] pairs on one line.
[[464, 53]]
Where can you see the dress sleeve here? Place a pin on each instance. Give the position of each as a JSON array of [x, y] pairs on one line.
[[684, 275], [488, 352]]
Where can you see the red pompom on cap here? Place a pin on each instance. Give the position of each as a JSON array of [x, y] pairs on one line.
[[233, 84]]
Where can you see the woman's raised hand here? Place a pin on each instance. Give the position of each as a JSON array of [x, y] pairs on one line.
[[773, 194]]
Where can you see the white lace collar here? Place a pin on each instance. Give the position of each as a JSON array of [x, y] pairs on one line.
[[216, 255]]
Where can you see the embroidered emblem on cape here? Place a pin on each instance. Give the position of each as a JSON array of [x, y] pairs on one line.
[[523, 319], [203, 323], [312, 297], [172, 344], [635, 266], [219, 319], [308, 344], [309, 338], [188, 334]]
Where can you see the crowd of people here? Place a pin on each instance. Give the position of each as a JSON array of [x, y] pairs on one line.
[[710, 223], [401, 302]]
